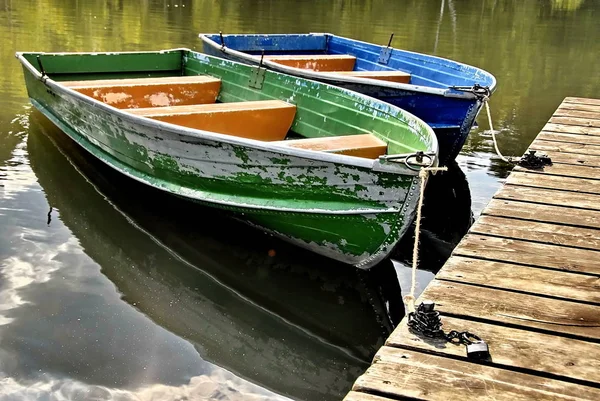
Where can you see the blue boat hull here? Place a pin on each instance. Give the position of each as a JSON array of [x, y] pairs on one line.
[[432, 94]]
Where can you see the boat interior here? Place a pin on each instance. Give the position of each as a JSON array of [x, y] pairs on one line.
[[191, 101], [342, 64]]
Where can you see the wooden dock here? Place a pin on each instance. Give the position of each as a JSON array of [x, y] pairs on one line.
[[526, 279]]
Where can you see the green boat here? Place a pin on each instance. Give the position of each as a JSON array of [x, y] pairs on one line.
[[325, 168]]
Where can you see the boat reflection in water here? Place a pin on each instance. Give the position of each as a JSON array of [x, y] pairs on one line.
[[285, 319]]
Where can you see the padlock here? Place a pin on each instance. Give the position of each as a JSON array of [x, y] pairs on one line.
[[478, 350]]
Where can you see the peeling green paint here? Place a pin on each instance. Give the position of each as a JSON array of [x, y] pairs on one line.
[[341, 209]]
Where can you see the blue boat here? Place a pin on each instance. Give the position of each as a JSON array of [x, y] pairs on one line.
[[446, 94]]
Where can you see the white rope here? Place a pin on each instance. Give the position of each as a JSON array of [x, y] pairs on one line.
[[423, 174], [487, 109]]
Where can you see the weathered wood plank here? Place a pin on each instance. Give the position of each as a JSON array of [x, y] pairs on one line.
[[569, 138], [584, 122], [534, 180], [579, 106], [570, 112], [356, 396], [523, 310], [581, 100], [569, 286], [543, 213], [585, 238], [530, 254], [571, 129], [510, 347], [565, 170], [549, 197], [570, 158], [403, 373], [580, 149]]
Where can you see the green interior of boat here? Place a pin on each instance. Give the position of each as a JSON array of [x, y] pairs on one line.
[[202, 92]]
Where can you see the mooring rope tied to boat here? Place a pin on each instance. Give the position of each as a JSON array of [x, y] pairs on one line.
[[529, 160], [423, 174], [511, 160]]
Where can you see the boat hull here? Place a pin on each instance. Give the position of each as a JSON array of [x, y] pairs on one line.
[[350, 213]]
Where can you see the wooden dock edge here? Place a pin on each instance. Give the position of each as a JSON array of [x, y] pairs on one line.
[[526, 279]]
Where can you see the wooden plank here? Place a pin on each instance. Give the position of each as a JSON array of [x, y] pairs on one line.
[[581, 100], [566, 170], [316, 62], [566, 357], [150, 92], [530, 254], [579, 149], [571, 158], [403, 373], [554, 316], [543, 213], [567, 112], [263, 120], [356, 396], [581, 185], [569, 138], [390, 76], [569, 286], [549, 197], [579, 106], [584, 122], [571, 129], [578, 237], [363, 145]]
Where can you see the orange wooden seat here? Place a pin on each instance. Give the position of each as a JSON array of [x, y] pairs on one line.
[[150, 92], [391, 76], [318, 62], [366, 145], [265, 120]]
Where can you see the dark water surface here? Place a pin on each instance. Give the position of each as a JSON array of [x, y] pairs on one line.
[[109, 290]]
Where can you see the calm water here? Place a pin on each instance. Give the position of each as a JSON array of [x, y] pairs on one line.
[[109, 290]]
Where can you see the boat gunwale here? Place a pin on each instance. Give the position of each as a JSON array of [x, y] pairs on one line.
[[329, 77], [376, 164]]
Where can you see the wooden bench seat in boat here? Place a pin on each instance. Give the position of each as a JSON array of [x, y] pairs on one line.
[[317, 62], [265, 120], [150, 92], [364, 145], [391, 76]]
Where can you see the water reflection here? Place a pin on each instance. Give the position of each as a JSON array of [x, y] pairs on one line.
[[295, 323]]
